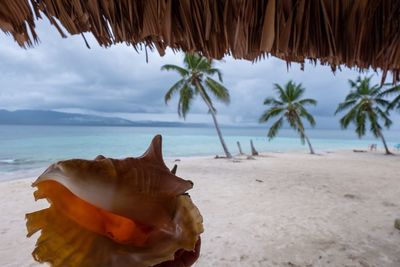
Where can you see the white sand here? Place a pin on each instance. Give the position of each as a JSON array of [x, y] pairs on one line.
[[336, 209]]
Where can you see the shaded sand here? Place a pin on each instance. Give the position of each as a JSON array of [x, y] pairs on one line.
[[281, 209]]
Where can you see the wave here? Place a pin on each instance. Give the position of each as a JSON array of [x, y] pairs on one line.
[[8, 161], [19, 161]]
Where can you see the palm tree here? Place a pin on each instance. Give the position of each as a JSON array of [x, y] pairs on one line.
[[196, 79], [365, 102], [290, 106]]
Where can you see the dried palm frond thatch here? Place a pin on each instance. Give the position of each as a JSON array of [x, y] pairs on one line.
[[358, 33]]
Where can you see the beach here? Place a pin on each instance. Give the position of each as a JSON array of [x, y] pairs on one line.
[[279, 209]]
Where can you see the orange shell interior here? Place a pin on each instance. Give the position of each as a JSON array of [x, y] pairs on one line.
[[122, 230]]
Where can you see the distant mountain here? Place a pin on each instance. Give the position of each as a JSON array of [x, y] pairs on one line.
[[45, 117]]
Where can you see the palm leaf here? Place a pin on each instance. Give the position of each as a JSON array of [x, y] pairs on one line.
[[169, 67], [174, 88], [382, 102], [395, 103], [304, 113], [360, 120], [186, 97], [270, 101], [203, 65], [390, 91], [307, 101], [273, 130], [349, 117], [190, 60], [270, 113], [218, 90], [213, 71], [375, 127], [345, 105], [384, 116], [282, 93], [297, 91], [353, 95]]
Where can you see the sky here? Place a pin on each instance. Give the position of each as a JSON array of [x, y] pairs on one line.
[[64, 75]]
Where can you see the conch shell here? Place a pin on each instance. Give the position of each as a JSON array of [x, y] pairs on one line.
[[110, 212]]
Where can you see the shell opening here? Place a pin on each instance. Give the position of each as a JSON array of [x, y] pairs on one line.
[[122, 230]]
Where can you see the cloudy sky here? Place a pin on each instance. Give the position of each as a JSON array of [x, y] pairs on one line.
[[62, 74]]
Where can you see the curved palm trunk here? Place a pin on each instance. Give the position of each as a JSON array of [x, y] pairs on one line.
[[221, 139], [309, 145], [384, 144], [308, 142]]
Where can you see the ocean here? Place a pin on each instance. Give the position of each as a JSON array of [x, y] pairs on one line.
[[24, 148]]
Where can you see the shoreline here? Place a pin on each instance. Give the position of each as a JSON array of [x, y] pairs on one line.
[[23, 173]]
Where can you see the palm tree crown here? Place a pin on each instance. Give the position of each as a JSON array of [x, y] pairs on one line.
[[196, 79], [365, 103], [289, 106]]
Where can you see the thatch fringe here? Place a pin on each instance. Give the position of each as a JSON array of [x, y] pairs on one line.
[[358, 33]]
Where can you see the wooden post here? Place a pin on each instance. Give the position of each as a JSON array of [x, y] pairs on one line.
[[253, 150], [240, 148]]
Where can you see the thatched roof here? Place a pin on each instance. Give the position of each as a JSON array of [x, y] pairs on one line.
[[356, 33]]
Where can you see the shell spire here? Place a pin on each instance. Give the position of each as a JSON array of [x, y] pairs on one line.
[[154, 152]]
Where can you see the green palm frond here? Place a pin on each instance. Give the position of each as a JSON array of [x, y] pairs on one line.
[[281, 92], [304, 113], [390, 91], [382, 102], [190, 60], [360, 121], [345, 105], [297, 91], [375, 127], [213, 71], [349, 117], [353, 84], [395, 103], [174, 88], [169, 67], [353, 95], [271, 113], [273, 130], [375, 90], [308, 101], [270, 101], [292, 120], [185, 100], [203, 65], [384, 115], [218, 90]]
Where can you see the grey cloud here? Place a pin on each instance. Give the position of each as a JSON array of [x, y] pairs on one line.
[[64, 74]]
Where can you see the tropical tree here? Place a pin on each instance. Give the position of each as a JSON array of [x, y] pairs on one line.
[[289, 106], [196, 79], [365, 103]]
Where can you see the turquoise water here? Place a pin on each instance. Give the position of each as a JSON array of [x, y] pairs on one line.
[[30, 147]]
